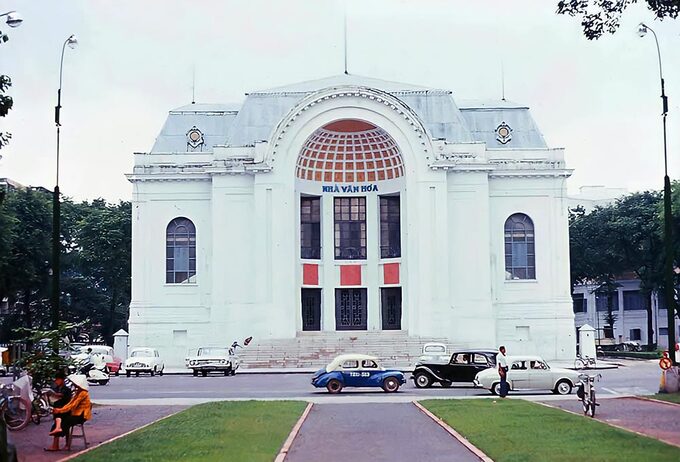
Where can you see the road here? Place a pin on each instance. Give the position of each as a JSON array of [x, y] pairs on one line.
[[636, 378]]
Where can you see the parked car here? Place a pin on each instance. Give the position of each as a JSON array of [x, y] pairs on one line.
[[434, 353], [113, 363], [461, 366], [144, 360], [530, 373], [213, 359], [355, 370]]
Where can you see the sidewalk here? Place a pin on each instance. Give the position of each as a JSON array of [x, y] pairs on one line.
[[107, 422], [375, 432], [650, 418]]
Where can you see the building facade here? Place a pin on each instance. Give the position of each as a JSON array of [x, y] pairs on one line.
[[346, 206]]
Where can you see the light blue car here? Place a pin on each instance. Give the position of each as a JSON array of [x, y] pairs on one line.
[[355, 370]]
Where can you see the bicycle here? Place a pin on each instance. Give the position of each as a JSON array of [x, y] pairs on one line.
[[40, 407], [14, 410], [586, 392], [584, 362]]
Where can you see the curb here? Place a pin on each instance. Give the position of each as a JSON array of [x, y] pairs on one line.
[[471, 447], [654, 400], [293, 433], [77, 454], [611, 424]]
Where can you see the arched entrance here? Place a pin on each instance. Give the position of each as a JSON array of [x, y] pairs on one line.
[[349, 183]]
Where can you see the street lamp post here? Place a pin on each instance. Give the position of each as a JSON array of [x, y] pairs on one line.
[[668, 227], [56, 206]]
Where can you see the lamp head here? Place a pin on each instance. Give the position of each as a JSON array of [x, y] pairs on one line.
[[14, 19], [642, 29], [72, 41]]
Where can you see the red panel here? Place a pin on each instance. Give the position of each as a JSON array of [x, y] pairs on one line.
[[350, 275], [310, 274], [391, 273]]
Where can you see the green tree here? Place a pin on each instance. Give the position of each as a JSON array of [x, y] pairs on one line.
[[603, 16], [104, 236]]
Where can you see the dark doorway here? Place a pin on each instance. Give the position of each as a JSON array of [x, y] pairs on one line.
[[350, 309], [391, 308], [311, 309]]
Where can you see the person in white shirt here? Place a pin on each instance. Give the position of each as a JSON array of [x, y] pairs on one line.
[[502, 363]]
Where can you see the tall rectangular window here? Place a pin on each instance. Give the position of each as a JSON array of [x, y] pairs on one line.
[[350, 228], [310, 227], [390, 227], [603, 299], [580, 303]]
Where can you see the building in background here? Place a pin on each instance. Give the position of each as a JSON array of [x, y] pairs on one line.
[[350, 214]]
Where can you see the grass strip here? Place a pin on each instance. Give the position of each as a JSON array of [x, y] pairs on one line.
[[514, 430], [235, 431], [670, 397]]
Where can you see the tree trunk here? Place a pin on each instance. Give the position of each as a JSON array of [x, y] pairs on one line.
[[112, 316], [651, 344]]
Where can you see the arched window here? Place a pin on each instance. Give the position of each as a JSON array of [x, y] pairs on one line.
[[180, 252], [520, 255]]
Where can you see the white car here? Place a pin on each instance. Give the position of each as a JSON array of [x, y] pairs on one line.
[[434, 353], [529, 373], [213, 359], [144, 360], [100, 353]]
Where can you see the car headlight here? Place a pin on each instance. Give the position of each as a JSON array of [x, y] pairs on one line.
[[192, 363]]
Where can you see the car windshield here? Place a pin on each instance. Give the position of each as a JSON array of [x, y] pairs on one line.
[[141, 353], [97, 350], [434, 349], [213, 352]]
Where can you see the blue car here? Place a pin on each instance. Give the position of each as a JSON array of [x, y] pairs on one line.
[[354, 370]]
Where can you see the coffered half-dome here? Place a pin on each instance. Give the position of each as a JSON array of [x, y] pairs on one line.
[[349, 151]]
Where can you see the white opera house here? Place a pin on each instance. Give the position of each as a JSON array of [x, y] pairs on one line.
[[350, 214]]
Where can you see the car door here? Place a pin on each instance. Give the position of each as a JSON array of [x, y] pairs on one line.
[[457, 369], [540, 375], [518, 376], [369, 370], [351, 376]]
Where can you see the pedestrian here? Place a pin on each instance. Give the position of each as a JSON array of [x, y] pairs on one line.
[[502, 363]]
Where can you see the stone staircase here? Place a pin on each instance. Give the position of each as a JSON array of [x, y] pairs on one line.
[[316, 349]]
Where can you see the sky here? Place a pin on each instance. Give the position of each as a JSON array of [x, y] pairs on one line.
[[136, 59]]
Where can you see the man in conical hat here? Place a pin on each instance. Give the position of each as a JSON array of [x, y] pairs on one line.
[[75, 412]]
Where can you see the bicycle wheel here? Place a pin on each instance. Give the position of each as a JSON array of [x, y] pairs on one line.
[[579, 364], [16, 412], [586, 405], [592, 403], [41, 408]]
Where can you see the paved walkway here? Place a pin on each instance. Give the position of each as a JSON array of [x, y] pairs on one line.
[[375, 432], [107, 422], [654, 419]]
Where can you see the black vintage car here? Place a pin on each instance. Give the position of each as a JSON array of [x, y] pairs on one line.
[[462, 367]]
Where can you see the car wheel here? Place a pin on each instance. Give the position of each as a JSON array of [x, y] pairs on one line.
[[563, 387], [226, 373], [390, 385], [334, 386], [204, 373], [153, 372], [128, 373], [423, 380], [195, 372], [136, 374], [103, 382], [446, 384], [496, 389]]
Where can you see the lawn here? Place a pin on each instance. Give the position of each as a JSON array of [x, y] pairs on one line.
[[515, 430], [234, 431], [670, 397]]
